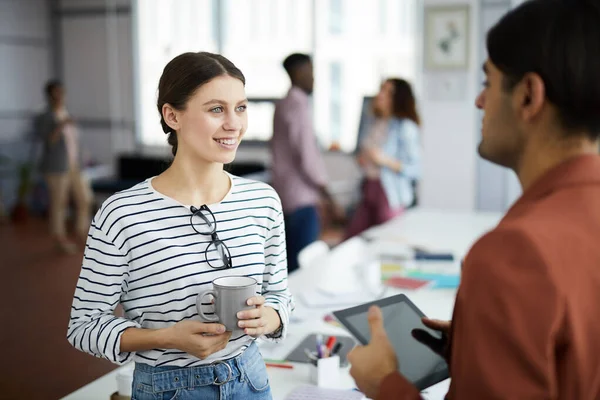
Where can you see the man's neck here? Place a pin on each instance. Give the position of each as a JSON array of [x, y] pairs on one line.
[[297, 87], [539, 159]]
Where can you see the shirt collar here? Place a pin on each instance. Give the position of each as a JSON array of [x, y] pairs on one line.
[[577, 171], [296, 92]]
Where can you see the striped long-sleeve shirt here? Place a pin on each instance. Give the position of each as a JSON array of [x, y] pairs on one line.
[[143, 253]]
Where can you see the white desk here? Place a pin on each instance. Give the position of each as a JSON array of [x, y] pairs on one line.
[[452, 231]]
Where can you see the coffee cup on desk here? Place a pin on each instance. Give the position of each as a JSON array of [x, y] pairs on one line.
[[231, 294]]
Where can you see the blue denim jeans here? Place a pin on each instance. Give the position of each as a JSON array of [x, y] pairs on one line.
[[302, 227], [242, 377]]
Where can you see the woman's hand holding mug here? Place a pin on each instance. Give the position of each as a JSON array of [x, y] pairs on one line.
[[259, 321], [197, 338]]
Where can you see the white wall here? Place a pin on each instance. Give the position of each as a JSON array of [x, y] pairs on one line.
[[25, 66], [449, 132], [97, 69], [497, 187], [455, 177]]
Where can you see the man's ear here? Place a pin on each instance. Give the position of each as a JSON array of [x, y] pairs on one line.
[[531, 96], [170, 116]]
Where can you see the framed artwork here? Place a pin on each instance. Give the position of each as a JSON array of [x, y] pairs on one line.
[[447, 37]]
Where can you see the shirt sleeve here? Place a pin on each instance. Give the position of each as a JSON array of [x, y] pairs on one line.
[[308, 155], [395, 386], [275, 278], [506, 323], [411, 159], [93, 328]]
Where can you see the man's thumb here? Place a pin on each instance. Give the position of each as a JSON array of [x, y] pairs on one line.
[[376, 322]]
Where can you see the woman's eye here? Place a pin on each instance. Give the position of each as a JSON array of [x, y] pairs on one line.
[[242, 108], [216, 109]]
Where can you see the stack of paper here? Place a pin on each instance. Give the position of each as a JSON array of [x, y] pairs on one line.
[[316, 393]]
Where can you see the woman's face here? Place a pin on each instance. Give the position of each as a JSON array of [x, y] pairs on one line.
[[214, 121], [383, 101]]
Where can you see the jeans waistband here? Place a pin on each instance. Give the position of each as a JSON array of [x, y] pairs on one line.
[[163, 379]]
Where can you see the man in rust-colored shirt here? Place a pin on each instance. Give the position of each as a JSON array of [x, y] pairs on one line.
[[525, 322]]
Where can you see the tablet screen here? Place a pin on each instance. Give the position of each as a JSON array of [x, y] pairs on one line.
[[418, 363]]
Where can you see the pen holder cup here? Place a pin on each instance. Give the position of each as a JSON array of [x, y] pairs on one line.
[[325, 372]]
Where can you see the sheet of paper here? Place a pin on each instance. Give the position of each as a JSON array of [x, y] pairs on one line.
[[316, 393]]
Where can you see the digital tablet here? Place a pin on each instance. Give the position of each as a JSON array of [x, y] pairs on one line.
[[418, 363]]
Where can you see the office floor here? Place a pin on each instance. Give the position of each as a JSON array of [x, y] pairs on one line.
[[36, 289]]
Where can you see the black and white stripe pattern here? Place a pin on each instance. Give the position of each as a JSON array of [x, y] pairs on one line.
[[143, 253]]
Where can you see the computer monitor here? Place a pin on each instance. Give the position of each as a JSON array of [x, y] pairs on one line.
[[365, 116]]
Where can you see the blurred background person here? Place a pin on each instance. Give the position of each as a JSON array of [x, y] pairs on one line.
[[389, 154], [60, 166], [298, 171]]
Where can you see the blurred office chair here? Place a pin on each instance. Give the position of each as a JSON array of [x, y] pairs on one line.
[[309, 255], [342, 268]]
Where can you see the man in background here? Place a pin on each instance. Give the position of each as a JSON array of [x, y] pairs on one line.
[[525, 323], [298, 171]]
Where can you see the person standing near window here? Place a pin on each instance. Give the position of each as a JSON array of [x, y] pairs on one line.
[[153, 248], [390, 156], [60, 165], [298, 169]]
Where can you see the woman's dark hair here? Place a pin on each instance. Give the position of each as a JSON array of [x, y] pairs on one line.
[[183, 75], [403, 101], [558, 40]]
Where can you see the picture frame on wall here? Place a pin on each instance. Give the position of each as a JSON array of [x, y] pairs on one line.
[[447, 37]]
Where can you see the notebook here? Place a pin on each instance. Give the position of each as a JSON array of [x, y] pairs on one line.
[[406, 283], [317, 393]]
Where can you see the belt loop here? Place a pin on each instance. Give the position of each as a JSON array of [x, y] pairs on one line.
[[240, 366]]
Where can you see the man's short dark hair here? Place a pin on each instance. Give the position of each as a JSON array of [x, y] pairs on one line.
[[560, 41], [294, 61], [51, 85]]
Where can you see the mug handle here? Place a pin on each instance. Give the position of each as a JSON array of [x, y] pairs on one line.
[[208, 318]]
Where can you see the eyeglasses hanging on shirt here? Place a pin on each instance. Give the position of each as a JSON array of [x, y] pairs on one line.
[[204, 222]]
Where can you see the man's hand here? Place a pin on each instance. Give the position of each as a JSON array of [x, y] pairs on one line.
[[372, 363], [439, 346], [331, 209]]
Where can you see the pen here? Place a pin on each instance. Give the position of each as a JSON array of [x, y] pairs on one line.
[[319, 343], [336, 348], [310, 355], [330, 342], [324, 351], [284, 366]]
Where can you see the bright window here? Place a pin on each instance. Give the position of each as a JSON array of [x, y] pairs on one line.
[[354, 44]]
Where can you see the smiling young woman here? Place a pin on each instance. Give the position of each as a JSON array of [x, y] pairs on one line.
[[154, 247]]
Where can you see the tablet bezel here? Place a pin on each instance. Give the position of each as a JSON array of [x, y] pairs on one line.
[[342, 315]]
